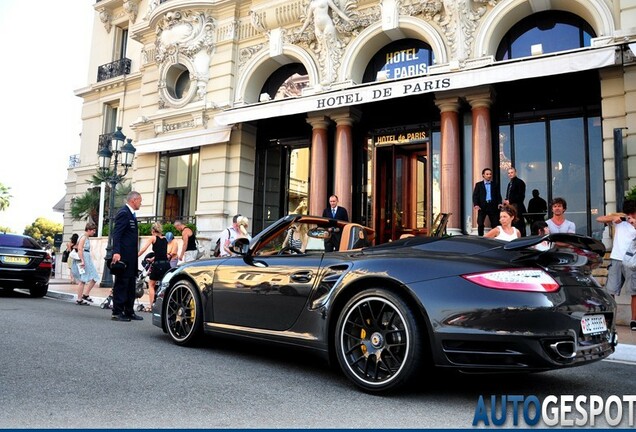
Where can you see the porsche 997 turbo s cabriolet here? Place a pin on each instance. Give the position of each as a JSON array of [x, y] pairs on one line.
[[388, 313]]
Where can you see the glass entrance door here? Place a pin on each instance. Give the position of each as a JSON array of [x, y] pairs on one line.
[[402, 201]]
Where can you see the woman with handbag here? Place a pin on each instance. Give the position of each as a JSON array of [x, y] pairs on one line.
[[160, 260], [83, 268], [70, 246]]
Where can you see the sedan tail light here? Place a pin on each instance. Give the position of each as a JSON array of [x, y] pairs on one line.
[[47, 262], [534, 280]]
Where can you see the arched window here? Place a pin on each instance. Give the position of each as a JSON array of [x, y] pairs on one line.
[[553, 30], [286, 81], [399, 59]]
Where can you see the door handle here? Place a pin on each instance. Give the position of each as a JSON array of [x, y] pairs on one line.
[[302, 276]]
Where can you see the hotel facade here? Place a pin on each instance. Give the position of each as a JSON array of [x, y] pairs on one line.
[[396, 106]]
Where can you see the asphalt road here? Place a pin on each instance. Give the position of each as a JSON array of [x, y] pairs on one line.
[[69, 366]]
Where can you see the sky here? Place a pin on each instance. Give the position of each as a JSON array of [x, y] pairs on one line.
[[45, 51]]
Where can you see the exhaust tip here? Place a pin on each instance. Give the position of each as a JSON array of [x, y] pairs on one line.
[[564, 349]]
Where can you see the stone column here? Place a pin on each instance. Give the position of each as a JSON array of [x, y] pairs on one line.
[[482, 138], [318, 169], [449, 162], [343, 155]]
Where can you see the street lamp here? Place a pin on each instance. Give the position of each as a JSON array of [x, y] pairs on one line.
[[126, 152]]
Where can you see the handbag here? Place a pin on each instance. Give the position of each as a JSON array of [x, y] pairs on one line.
[[74, 255], [65, 256]]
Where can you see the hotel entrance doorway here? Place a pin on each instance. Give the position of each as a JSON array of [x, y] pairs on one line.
[[402, 199]]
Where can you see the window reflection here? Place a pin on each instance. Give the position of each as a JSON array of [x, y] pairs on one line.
[[555, 31]]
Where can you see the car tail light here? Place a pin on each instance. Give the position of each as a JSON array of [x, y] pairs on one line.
[[535, 280], [47, 262]]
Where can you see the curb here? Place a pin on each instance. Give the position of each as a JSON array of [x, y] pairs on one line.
[[97, 301], [624, 353]]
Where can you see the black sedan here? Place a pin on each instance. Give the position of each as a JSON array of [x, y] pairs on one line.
[[24, 264], [387, 313]]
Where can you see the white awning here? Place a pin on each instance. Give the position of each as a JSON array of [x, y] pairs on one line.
[[513, 70], [216, 135]]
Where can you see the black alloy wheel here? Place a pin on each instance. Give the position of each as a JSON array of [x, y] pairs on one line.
[[183, 315], [378, 342]]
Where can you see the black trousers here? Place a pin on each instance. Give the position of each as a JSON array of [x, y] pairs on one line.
[[489, 211], [124, 295]]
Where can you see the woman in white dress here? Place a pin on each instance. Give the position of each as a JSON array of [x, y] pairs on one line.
[[505, 231]]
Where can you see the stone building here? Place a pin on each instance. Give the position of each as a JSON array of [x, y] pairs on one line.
[[396, 106]]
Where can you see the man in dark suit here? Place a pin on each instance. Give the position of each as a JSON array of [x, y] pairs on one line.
[[125, 248], [516, 195], [486, 200], [334, 211]]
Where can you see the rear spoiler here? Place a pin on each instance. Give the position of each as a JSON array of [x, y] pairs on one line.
[[573, 240]]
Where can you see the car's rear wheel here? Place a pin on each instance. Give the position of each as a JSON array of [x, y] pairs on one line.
[[183, 317], [378, 341], [39, 291]]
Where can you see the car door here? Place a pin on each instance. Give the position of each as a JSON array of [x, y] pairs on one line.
[[266, 292]]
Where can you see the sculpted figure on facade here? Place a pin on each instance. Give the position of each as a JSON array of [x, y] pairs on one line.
[[329, 45]]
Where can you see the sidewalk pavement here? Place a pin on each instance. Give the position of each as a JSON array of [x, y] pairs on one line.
[[63, 289]]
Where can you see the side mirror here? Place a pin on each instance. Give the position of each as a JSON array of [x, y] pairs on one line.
[[240, 246]]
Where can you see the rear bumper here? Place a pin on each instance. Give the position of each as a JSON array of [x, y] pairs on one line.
[[24, 278]]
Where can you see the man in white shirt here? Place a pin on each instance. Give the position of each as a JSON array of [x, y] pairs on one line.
[[236, 230], [617, 273], [558, 223]]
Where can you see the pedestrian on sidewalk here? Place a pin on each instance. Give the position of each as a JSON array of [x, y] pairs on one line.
[[84, 270], [624, 225], [173, 249], [70, 245], [125, 249], [160, 261]]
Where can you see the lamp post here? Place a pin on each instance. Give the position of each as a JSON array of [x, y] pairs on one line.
[[123, 154]]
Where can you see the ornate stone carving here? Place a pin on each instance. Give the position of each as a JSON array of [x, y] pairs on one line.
[[132, 8], [105, 17], [245, 54], [333, 23], [185, 32], [152, 5], [187, 38]]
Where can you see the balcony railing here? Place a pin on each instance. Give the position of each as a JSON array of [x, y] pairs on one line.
[[113, 69]]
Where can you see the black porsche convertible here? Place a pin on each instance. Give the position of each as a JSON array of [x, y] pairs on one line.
[[387, 313]]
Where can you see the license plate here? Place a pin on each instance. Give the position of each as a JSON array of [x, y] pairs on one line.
[[15, 260], [593, 324]]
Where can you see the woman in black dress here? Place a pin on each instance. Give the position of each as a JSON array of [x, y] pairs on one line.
[[160, 261]]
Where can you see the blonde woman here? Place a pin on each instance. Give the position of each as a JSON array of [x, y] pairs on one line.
[[83, 270], [297, 237], [160, 261], [505, 231]]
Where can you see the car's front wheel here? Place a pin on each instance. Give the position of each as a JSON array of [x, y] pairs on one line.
[[183, 317], [378, 342], [39, 291]]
